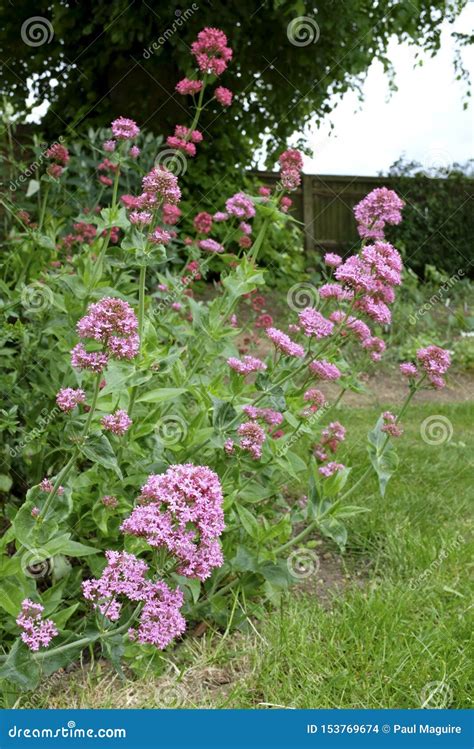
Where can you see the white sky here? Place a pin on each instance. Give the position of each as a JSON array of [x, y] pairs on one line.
[[424, 119]]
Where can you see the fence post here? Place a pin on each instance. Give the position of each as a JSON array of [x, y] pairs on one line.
[[308, 212]]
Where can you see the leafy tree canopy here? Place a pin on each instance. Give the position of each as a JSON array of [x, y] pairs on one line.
[[100, 59]]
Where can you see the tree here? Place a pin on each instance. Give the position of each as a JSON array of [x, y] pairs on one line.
[[95, 60]]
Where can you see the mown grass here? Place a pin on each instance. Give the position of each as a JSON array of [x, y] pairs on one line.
[[402, 635]]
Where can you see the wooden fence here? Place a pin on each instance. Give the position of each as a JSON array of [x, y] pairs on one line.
[[324, 204]]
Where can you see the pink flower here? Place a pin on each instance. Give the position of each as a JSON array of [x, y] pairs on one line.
[[381, 206], [325, 370], [55, 170], [188, 87], [109, 146], [264, 321], [330, 469], [140, 218], [290, 179], [117, 423], [229, 446], [109, 501], [291, 159], [268, 415], [315, 397], [68, 398], [105, 180], [265, 192], [223, 96], [332, 435], [245, 241], [134, 152], [58, 153], [390, 425], [408, 369], [47, 486], [94, 362], [181, 510], [247, 365], [129, 201], [241, 206], [284, 343], [314, 324], [435, 361], [211, 51], [203, 222], [160, 619], [124, 129], [171, 214], [252, 438], [210, 245], [220, 216], [159, 236], [37, 632], [332, 259], [163, 184], [285, 204]]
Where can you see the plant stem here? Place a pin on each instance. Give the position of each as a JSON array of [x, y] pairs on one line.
[[43, 206]]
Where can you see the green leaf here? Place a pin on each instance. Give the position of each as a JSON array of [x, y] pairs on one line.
[[223, 415], [249, 521], [334, 484], [99, 450], [64, 545], [61, 617], [20, 668], [334, 529], [160, 395], [244, 560], [5, 482], [277, 574]]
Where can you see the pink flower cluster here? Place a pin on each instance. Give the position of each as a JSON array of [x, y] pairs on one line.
[[284, 343], [160, 186], [291, 164], [203, 222], [113, 323], [268, 415], [117, 423], [47, 486], [68, 398], [390, 425], [223, 96], [37, 632], [381, 206], [211, 51], [188, 87], [314, 324], [210, 245], [252, 437], [435, 362], [330, 468], [315, 398], [240, 205], [181, 510], [246, 365], [160, 620], [124, 129], [325, 370], [331, 437], [184, 140]]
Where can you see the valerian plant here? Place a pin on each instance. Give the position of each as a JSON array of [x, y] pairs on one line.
[[145, 471]]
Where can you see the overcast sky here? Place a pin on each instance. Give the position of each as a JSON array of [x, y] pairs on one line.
[[424, 119]]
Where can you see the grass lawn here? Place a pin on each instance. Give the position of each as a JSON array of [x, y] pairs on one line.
[[395, 632]]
